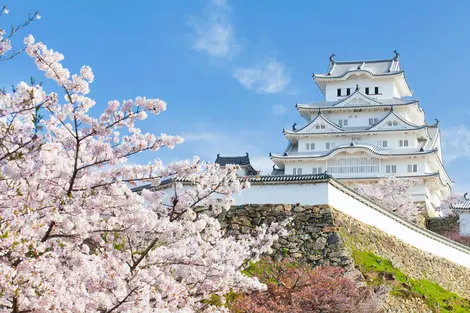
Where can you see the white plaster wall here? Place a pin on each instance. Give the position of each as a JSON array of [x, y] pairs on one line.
[[277, 193], [393, 140], [284, 193], [355, 119], [387, 222], [400, 163], [464, 223], [386, 86]]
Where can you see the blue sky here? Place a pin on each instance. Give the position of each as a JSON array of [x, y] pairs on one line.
[[232, 71]]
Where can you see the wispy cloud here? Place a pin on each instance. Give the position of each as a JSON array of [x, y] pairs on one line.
[[279, 109], [270, 77], [214, 33], [456, 143]]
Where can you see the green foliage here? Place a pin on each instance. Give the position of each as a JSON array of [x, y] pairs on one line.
[[216, 300], [436, 297]]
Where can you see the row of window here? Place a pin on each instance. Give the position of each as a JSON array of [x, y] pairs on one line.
[[359, 166], [347, 91], [311, 146], [380, 143], [372, 121], [391, 169]]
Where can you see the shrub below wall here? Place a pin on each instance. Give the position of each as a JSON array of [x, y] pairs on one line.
[[443, 224]]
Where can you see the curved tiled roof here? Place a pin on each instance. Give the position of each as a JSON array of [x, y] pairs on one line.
[[319, 116], [372, 148], [238, 160], [243, 161], [334, 104], [356, 129], [392, 112], [250, 178], [462, 205], [373, 67]]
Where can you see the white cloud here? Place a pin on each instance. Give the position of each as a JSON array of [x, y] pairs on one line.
[[214, 31], [456, 143], [270, 77], [279, 109]]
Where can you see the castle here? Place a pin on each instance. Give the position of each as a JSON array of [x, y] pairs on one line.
[[367, 128]]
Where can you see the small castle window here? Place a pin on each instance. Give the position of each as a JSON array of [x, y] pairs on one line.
[[391, 169], [403, 143], [338, 92], [310, 146], [373, 121], [412, 168], [343, 123], [383, 143], [348, 91], [376, 90], [317, 170], [367, 90]]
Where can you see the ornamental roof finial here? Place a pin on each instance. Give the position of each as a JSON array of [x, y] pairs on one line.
[[331, 58], [465, 196], [247, 154], [357, 87], [437, 121], [218, 155], [293, 126], [397, 55]]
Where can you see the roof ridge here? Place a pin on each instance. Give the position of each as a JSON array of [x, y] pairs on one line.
[[365, 61]]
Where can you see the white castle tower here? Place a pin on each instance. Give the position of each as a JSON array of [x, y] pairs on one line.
[[367, 128]]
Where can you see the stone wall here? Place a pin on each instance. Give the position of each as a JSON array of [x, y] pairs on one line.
[[320, 234], [413, 262], [313, 237], [443, 224]]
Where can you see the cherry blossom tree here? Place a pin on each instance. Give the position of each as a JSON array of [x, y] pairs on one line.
[[73, 235], [394, 194]]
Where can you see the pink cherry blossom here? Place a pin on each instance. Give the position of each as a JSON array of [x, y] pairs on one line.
[[75, 238]]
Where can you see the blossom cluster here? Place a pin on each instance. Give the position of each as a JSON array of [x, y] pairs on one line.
[[75, 238], [394, 194]]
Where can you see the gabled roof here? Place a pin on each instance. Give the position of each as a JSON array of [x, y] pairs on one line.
[[335, 104], [243, 161], [392, 116], [363, 129], [358, 97], [341, 70], [317, 120], [373, 67]]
